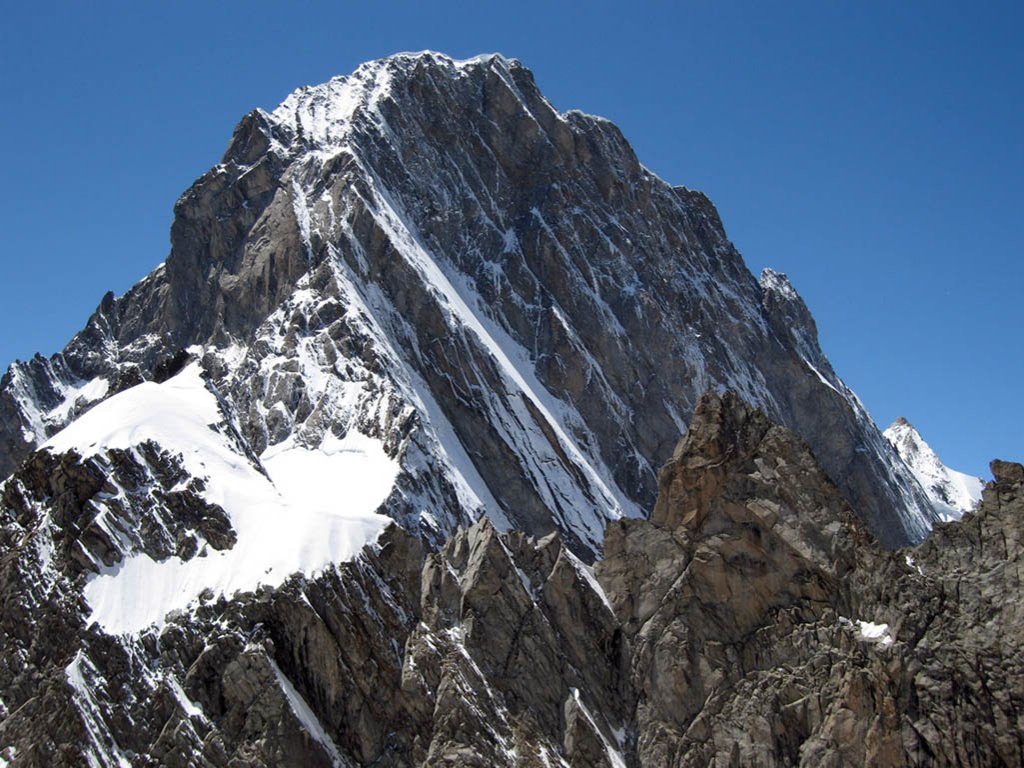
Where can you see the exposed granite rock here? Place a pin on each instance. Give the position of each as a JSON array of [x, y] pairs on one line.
[[516, 654], [768, 629], [105, 508]]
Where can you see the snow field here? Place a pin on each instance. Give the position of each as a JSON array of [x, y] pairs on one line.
[[315, 508]]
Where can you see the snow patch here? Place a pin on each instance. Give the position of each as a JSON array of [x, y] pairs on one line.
[[878, 633], [587, 572], [309, 510], [353, 468], [615, 758], [778, 283], [912, 564], [187, 705], [870, 631]]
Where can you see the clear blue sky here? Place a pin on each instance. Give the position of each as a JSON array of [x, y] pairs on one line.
[[871, 150]]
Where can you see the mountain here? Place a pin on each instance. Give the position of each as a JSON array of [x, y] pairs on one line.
[[367, 473], [522, 316], [751, 620], [952, 493]]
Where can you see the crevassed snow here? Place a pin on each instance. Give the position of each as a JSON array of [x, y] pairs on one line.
[[315, 508], [952, 493]]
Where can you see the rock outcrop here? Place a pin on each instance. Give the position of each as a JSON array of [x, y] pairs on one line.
[[768, 628]]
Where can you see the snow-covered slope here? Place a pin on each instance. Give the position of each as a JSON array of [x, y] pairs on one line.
[[953, 493], [299, 511]]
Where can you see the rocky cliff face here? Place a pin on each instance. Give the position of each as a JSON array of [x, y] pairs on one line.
[[428, 254], [751, 621], [767, 628]]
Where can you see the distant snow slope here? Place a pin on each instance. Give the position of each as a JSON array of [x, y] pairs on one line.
[[952, 493]]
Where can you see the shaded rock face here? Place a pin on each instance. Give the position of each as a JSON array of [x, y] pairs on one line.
[[429, 253], [751, 621]]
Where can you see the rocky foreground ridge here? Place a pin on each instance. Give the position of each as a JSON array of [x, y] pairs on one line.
[[751, 621]]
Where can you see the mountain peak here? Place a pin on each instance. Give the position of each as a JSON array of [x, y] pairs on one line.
[[322, 114], [428, 252], [952, 493]]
